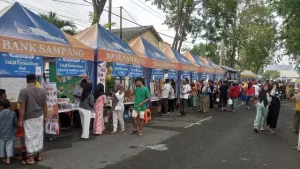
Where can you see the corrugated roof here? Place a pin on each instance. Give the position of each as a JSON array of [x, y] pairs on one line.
[[228, 68], [279, 67], [133, 32]]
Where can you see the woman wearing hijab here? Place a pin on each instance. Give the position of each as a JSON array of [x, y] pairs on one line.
[[118, 108], [262, 108], [274, 108], [204, 100], [86, 106], [100, 100]]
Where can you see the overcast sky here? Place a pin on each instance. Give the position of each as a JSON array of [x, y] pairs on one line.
[[79, 13]]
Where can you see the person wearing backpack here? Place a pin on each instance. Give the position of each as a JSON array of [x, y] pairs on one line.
[[204, 100]]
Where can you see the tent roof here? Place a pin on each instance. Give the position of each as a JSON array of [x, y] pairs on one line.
[[143, 47], [279, 67], [174, 55], [194, 59], [98, 37], [228, 68], [248, 74], [20, 25], [289, 74]]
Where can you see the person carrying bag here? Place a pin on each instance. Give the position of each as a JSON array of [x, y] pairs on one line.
[[118, 108]]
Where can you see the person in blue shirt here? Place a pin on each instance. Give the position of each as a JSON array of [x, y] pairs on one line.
[[8, 122]]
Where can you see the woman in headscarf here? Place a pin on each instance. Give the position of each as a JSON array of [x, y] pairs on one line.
[[118, 108], [262, 108], [86, 107], [204, 100], [274, 108], [100, 100]]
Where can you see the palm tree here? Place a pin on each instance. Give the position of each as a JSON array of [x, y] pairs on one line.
[[65, 25]]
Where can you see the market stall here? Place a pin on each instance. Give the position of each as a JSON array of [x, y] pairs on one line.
[[27, 43], [247, 76], [195, 60], [230, 73], [216, 73]]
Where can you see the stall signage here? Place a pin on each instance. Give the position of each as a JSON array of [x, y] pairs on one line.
[[195, 76], [70, 67], [158, 73], [211, 76], [172, 74], [18, 65], [221, 76], [136, 71], [120, 70], [185, 74], [203, 76]]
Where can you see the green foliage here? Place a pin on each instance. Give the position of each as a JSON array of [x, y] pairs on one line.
[[207, 50], [109, 24], [289, 10], [247, 27], [181, 16], [271, 74], [65, 25], [110, 84]]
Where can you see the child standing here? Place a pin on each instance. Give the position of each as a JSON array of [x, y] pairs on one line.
[[8, 122]]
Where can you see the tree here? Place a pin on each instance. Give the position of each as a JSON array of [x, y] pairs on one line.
[[290, 12], [271, 74], [247, 27], [208, 50], [98, 6], [65, 25], [180, 16]]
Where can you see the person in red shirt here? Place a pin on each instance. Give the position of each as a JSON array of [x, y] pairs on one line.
[[250, 92], [234, 95]]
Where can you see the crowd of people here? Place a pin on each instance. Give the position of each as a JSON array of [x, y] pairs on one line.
[[23, 129]]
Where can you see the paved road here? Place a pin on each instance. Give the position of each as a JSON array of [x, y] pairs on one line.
[[212, 140]]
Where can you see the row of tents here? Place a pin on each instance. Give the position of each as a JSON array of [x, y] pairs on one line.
[[24, 32]]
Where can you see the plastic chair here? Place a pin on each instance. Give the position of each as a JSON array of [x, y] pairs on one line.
[[147, 116]]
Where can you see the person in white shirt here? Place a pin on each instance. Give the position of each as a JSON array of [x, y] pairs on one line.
[[165, 90], [184, 96], [256, 91]]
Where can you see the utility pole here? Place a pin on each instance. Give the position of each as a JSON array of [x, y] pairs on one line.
[[109, 14], [121, 9]]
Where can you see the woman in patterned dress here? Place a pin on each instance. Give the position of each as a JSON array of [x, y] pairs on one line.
[[99, 105]]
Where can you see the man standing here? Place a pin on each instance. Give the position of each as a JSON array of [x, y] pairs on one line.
[[184, 96], [3, 94], [165, 90], [33, 114], [224, 90], [77, 91], [142, 96]]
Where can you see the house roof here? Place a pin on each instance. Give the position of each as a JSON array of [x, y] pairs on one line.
[[279, 67], [133, 32]]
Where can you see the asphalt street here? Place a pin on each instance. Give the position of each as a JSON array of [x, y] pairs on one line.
[[213, 140]]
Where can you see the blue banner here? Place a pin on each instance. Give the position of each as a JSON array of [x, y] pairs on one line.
[[158, 73], [221, 76], [136, 71], [18, 65], [186, 74], [120, 70], [172, 74], [194, 76], [203, 76], [70, 67], [211, 76]]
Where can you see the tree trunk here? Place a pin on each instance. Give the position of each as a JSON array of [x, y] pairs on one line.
[[179, 21], [98, 6]]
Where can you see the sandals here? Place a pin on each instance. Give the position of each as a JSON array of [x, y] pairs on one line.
[[140, 134], [122, 131], [133, 132], [38, 158], [256, 129], [113, 132], [25, 162]]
